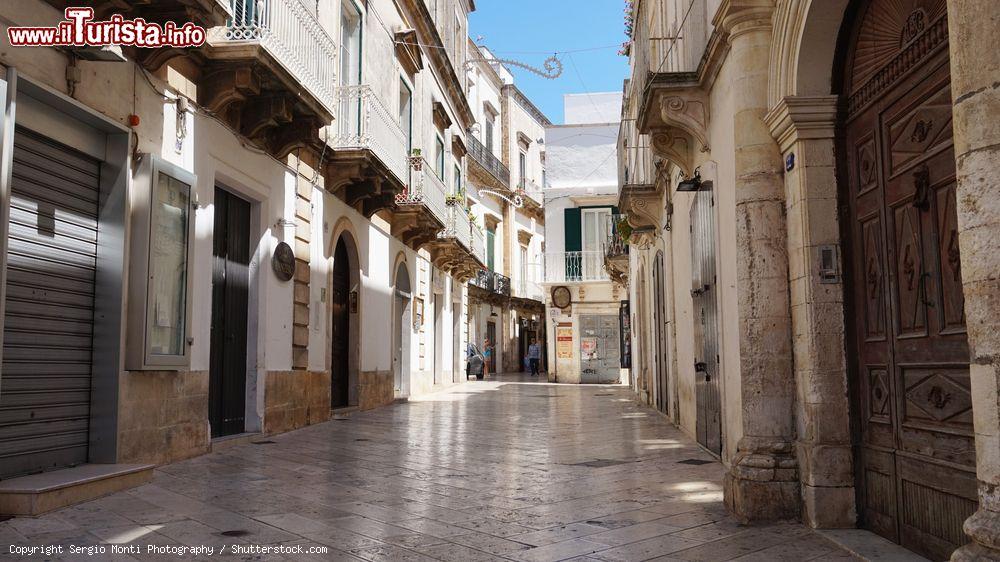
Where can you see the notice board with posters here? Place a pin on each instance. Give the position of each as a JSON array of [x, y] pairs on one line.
[[564, 340]]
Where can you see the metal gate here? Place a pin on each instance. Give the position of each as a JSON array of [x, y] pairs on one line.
[[48, 322], [600, 357], [706, 332]]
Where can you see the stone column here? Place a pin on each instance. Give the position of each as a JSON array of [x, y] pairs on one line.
[[762, 483], [975, 92], [804, 128]]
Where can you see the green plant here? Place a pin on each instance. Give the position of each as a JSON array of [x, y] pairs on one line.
[[624, 230]]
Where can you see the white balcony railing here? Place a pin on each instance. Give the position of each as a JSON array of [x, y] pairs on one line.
[[575, 267], [426, 189], [286, 30], [459, 226], [529, 290], [478, 244], [363, 122]]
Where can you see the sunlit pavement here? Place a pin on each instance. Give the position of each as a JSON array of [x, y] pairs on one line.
[[508, 469]]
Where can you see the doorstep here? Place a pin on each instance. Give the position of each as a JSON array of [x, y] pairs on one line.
[[343, 412], [870, 547], [36, 494], [225, 442]]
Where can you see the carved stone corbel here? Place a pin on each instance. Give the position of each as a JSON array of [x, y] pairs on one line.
[[675, 146], [687, 110], [642, 210]]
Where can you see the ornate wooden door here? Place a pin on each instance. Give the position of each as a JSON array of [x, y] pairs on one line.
[[915, 448]]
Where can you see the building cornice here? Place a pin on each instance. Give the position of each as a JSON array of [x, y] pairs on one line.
[[526, 104], [438, 56]]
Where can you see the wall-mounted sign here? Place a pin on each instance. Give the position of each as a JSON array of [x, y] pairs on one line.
[[564, 341], [283, 261], [561, 297]]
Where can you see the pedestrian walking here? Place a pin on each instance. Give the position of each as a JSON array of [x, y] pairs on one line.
[[534, 355], [488, 356]]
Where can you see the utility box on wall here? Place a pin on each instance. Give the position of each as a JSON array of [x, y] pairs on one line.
[[160, 255]]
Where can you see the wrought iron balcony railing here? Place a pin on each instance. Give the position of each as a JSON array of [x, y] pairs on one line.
[[492, 282], [290, 34], [575, 267], [363, 122], [616, 245], [490, 163], [459, 226], [426, 189]]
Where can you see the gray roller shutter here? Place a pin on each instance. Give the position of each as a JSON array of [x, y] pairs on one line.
[[48, 323]]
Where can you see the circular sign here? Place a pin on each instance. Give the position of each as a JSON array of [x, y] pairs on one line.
[[283, 261], [561, 297]]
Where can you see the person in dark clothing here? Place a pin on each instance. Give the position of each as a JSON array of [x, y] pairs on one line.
[[534, 355]]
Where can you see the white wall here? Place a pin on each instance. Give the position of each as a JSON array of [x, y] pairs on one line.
[[602, 107]]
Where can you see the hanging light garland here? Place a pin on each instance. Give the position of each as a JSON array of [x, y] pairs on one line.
[[553, 67]]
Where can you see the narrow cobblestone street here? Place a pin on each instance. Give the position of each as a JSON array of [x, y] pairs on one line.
[[489, 471]]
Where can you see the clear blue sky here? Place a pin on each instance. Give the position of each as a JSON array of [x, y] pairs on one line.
[[531, 30]]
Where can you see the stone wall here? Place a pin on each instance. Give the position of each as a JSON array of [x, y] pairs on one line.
[[294, 399], [375, 389], [162, 416]]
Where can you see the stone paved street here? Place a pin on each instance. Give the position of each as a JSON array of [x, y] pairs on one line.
[[489, 471]]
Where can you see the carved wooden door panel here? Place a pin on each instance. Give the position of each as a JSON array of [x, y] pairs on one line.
[[916, 453]]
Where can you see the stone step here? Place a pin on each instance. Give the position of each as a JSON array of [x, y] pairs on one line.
[[36, 494]]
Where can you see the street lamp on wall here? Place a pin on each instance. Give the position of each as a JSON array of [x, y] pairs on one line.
[[690, 184]]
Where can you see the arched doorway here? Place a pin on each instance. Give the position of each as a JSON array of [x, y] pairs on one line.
[[401, 330], [907, 346], [340, 337]]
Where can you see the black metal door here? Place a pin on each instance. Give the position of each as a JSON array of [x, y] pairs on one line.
[[230, 291], [341, 337]]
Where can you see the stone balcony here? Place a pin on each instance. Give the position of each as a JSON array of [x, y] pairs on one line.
[[455, 250], [421, 210], [368, 163], [485, 168]]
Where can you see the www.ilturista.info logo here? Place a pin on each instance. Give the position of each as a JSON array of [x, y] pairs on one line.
[[80, 30]]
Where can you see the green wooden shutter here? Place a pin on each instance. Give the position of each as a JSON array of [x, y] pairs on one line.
[[490, 243], [573, 241], [574, 230]]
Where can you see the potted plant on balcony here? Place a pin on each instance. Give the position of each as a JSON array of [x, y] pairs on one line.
[[624, 230], [457, 197]]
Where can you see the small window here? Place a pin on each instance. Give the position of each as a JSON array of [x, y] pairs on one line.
[[488, 134], [406, 113], [523, 168], [439, 157]]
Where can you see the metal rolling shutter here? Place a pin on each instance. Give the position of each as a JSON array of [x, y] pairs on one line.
[[48, 325]]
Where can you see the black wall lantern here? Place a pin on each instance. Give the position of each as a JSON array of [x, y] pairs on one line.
[[690, 184]]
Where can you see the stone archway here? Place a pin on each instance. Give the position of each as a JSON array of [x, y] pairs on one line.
[[402, 329]]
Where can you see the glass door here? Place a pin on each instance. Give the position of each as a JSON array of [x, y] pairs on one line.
[[594, 221]]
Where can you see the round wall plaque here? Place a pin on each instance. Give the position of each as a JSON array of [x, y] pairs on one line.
[[283, 261], [561, 297]]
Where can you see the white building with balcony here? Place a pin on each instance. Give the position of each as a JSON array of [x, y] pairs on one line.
[[506, 171], [584, 320]]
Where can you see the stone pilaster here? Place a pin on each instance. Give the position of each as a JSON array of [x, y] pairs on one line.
[[762, 483], [804, 129], [301, 245], [975, 65]]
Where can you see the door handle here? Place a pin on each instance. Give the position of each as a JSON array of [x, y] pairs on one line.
[[701, 367]]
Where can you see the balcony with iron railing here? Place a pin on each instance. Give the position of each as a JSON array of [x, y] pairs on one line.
[[616, 246], [426, 190], [490, 164], [297, 47], [635, 157], [575, 267], [529, 289], [492, 282], [365, 124]]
